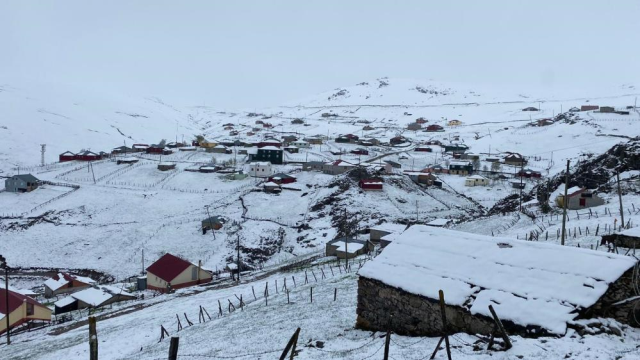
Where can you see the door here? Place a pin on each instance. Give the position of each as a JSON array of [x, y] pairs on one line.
[[583, 202]]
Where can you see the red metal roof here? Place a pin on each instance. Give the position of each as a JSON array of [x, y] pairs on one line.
[[15, 301], [168, 267]]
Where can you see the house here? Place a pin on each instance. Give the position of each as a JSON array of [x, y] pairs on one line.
[[20, 309], [21, 183], [455, 147], [209, 168], [158, 149], [127, 160], [423, 148], [528, 173], [397, 140], [421, 120], [360, 151], [460, 167], [469, 156], [515, 159], [379, 231], [589, 107], [435, 128], [346, 139], [282, 178], [288, 139], [337, 167], [229, 128], [454, 122], [369, 141], [414, 127], [314, 140], [424, 178], [292, 150], [66, 156], [92, 298], [271, 154], [301, 144], [439, 222], [212, 223], [476, 180], [171, 272], [165, 166], [219, 149], [370, 184], [271, 187], [530, 108], [297, 121], [270, 143], [607, 109], [313, 166], [63, 283], [121, 150], [347, 247], [579, 198], [437, 169], [260, 169], [141, 147], [399, 289], [188, 148], [394, 164], [86, 155], [368, 128]]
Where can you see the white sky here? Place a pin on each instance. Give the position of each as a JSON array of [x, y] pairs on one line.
[[238, 53]]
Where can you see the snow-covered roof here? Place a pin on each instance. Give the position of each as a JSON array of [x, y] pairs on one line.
[[64, 301], [439, 222], [389, 227], [477, 177], [166, 164], [632, 232], [62, 279], [129, 158], [96, 297], [269, 148], [528, 283], [460, 163], [271, 184], [350, 248], [261, 163]]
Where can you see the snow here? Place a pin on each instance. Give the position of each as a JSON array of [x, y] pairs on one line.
[[54, 284], [352, 247], [390, 227], [65, 301], [91, 296], [271, 184], [269, 148], [461, 263], [439, 222], [631, 232]]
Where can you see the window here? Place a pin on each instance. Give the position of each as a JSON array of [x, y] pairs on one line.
[[194, 273], [30, 309]]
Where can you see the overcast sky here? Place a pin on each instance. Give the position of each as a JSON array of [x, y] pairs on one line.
[[237, 53]]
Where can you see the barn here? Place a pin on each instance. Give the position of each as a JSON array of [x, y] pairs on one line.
[[171, 272], [370, 184], [87, 155], [536, 288]]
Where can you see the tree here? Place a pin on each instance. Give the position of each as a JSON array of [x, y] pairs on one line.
[[495, 167], [476, 164]]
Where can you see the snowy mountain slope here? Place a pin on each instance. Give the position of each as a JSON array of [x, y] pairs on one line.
[[73, 119]]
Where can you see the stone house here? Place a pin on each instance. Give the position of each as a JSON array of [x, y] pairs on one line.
[[398, 290], [21, 183]]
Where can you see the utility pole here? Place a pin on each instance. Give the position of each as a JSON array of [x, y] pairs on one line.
[[416, 211], [620, 199], [564, 204], [521, 177], [43, 148], [142, 262], [238, 260]]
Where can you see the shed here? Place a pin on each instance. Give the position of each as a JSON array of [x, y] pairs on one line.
[[212, 223], [271, 187], [434, 128], [99, 297], [282, 178], [629, 238], [370, 184], [171, 272], [377, 232], [423, 148], [127, 160], [579, 198], [414, 126], [347, 247], [313, 166], [21, 183], [165, 166], [589, 107], [535, 287]]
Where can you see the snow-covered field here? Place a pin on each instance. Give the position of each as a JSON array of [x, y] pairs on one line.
[[108, 222]]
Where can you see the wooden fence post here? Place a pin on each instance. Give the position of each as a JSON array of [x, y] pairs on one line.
[[386, 345], [335, 294], [291, 345], [311, 288], [173, 348], [93, 339]]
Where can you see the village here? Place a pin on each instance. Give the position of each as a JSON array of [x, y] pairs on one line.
[[333, 212]]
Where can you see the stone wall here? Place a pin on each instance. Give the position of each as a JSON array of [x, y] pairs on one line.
[[620, 290], [382, 307]]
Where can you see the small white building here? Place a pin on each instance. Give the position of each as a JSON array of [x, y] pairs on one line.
[[301, 144], [260, 169], [476, 180]]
